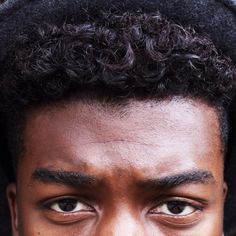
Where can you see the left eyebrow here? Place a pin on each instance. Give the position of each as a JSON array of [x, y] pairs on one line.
[[171, 181]]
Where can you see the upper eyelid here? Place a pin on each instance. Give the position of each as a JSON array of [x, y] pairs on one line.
[[51, 201], [196, 206], [179, 197]]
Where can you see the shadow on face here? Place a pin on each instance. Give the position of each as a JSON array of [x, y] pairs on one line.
[[148, 168]]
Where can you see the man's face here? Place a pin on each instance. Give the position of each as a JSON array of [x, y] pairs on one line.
[[151, 168]]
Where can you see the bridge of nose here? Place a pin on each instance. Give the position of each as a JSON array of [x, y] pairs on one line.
[[122, 222]]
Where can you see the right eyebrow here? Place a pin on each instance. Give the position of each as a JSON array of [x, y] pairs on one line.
[[74, 179]]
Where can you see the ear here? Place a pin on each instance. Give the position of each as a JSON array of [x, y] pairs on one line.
[[225, 190], [12, 202]]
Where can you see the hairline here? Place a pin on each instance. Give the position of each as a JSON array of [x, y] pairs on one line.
[[119, 108]]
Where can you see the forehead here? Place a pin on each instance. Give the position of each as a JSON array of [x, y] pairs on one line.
[[148, 136]]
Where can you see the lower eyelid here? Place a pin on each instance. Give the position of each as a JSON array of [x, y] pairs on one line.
[[68, 218], [177, 221]]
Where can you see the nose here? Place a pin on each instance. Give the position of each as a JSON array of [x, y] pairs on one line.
[[121, 224]]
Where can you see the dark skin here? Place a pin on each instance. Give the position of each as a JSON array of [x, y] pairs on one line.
[[150, 168]]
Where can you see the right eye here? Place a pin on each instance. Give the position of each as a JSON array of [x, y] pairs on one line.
[[68, 210], [68, 205]]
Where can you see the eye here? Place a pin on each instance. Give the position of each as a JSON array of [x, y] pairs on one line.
[[68, 205], [178, 212], [177, 208], [69, 210]]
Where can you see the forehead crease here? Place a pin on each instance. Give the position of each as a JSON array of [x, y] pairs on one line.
[[151, 131], [142, 118], [136, 160]]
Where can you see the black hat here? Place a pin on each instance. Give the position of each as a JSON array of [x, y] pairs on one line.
[[214, 18]]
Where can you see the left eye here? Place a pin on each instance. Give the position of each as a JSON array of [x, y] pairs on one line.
[[68, 206], [175, 208]]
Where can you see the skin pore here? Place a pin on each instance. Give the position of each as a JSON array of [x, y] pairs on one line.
[[150, 168]]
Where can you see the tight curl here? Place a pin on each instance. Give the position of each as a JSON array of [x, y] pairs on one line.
[[113, 56], [126, 55]]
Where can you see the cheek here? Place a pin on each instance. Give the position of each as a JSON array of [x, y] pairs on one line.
[[32, 225], [210, 225]]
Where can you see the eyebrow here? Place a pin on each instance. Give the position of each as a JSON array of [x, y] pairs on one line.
[[78, 179], [191, 177], [74, 179]]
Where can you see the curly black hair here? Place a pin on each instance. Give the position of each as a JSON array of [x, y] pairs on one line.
[[112, 57]]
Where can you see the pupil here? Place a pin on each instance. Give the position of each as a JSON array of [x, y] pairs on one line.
[[67, 204], [176, 207]]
